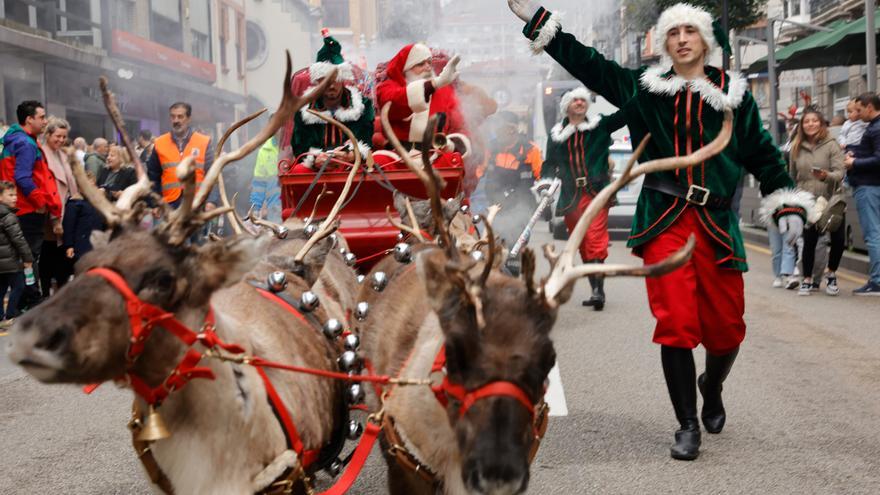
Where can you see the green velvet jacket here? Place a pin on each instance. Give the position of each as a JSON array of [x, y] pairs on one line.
[[312, 134], [681, 116], [580, 151]]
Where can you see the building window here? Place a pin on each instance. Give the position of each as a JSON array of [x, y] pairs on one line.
[[257, 45], [165, 27], [200, 29], [224, 36], [240, 41], [122, 15], [336, 14]]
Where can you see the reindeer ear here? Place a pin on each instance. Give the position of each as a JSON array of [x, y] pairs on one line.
[[400, 206], [220, 264], [431, 265], [451, 207]]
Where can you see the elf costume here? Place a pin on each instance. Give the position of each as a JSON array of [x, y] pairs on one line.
[[312, 135], [578, 156], [702, 302]]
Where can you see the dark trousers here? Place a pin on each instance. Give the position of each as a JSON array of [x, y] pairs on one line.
[[54, 265], [14, 283], [32, 226], [811, 239]]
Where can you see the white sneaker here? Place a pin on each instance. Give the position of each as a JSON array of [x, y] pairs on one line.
[[777, 283], [806, 289], [792, 282], [831, 287]]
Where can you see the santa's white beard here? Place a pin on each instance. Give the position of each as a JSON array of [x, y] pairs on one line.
[[411, 76]]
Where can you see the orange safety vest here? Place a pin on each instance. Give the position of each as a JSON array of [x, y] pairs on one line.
[[170, 156]]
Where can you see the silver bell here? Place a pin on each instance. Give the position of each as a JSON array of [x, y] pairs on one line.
[[355, 393], [349, 362], [334, 240], [360, 279], [379, 281], [403, 252], [309, 301], [464, 209], [350, 259], [310, 229], [477, 255], [362, 310], [351, 342], [277, 281], [355, 430], [334, 468], [342, 251], [282, 232], [332, 329], [476, 219], [401, 236]]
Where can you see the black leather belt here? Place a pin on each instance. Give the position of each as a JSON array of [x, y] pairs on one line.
[[592, 181], [693, 194]]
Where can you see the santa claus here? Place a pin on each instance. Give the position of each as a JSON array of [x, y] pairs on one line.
[[417, 93]]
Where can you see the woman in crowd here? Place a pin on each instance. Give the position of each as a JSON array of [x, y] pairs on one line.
[[54, 265], [817, 166], [118, 174]]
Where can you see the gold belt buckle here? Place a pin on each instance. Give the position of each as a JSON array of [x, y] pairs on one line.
[[580, 182]]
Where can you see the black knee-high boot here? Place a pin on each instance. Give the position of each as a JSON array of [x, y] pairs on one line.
[[710, 383], [680, 373], [597, 283]]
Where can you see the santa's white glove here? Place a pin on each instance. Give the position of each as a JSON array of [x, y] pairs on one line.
[[449, 73], [791, 227], [524, 9]]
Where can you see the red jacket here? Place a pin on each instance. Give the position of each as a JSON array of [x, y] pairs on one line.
[[409, 109], [24, 164]]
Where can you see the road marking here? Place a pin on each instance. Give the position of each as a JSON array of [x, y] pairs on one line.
[[840, 273], [555, 395], [3, 334]]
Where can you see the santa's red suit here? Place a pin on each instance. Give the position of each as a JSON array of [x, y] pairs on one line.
[[412, 104]]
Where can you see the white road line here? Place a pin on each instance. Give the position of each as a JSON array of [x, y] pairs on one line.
[[555, 395]]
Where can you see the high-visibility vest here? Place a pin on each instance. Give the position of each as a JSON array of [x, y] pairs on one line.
[[170, 157]]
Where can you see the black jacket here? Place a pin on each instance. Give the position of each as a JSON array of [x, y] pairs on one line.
[[80, 219], [866, 168], [13, 248], [110, 182]]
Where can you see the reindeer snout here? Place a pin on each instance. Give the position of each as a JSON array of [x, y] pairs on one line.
[[56, 340], [496, 475]]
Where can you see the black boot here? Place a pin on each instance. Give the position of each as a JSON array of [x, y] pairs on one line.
[[597, 282], [717, 369], [680, 373]]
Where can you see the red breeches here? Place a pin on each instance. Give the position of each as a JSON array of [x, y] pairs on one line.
[[595, 243]]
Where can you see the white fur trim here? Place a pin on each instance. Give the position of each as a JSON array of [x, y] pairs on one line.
[[309, 160], [561, 134], [786, 197], [363, 147], [350, 114], [685, 14], [653, 81], [547, 33], [581, 93], [418, 54], [465, 141], [320, 70], [274, 470], [415, 96]]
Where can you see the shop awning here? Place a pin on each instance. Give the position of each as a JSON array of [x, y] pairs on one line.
[[820, 41]]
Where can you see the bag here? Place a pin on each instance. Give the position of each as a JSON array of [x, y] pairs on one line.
[[832, 216]]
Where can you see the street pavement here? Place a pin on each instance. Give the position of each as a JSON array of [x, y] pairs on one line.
[[803, 407]]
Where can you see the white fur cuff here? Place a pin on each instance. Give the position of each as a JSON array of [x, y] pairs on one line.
[[547, 33], [415, 96], [774, 205]]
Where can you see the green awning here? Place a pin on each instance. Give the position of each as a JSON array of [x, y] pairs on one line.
[[815, 41], [844, 46]]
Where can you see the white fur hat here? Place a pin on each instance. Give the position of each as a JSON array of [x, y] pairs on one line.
[[417, 54], [320, 70], [567, 98], [685, 14]]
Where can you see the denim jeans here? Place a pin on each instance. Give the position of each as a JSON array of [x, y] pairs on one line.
[[14, 283], [868, 204], [784, 256]]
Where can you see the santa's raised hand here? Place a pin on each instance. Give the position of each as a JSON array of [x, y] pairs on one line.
[[524, 9], [449, 73]]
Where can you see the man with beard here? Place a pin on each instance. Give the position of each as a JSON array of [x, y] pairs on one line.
[[416, 94], [172, 147]]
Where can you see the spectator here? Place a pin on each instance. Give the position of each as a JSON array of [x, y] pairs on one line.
[[835, 126], [118, 174], [79, 144], [863, 170], [24, 163], [145, 145], [853, 129], [817, 166], [170, 148], [53, 264], [265, 191], [97, 159], [15, 255], [80, 220]]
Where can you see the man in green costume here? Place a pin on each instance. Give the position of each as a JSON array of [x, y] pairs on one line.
[[316, 141], [681, 102]]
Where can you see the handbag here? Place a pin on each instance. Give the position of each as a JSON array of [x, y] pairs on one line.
[[832, 216]]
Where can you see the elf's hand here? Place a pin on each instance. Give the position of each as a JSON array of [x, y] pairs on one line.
[[524, 9], [449, 73]]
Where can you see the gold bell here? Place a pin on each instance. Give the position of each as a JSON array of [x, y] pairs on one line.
[[154, 427]]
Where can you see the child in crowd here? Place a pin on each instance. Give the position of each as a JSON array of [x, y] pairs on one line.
[[15, 255], [80, 220]]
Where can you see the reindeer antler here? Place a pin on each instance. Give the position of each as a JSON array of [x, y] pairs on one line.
[[414, 231], [564, 272], [326, 227], [233, 217]]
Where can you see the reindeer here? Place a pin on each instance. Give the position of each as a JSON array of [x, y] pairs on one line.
[[224, 434], [477, 430]]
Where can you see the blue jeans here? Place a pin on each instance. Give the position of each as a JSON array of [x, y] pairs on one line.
[[868, 204], [14, 282], [784, 256]]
